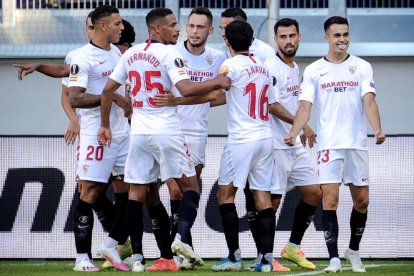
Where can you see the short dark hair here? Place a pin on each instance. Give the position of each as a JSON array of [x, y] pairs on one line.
[[203, 11], [128, 34], [239, 34], [101, 12], [235, 13], [90, 14], [335, 20], [286, 22], [156, 14]]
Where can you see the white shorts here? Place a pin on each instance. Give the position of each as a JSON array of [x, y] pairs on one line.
[[343, 166], [150, 156], [293, 167], [253, 161], [197, 147], [96, 163]]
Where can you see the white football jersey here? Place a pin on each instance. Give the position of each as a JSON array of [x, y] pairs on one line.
[[259, 49], [68, 59], [151, 68], [90, 69], [288, 84], [337, 91], [199, 68], [252, 90], [65, 80]]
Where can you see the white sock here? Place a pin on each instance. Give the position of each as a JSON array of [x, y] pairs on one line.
[[110, 242], [81, 256], [336, 260], [294, 245], [138, 257]]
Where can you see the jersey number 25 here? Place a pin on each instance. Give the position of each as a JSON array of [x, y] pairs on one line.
[[135, 77]]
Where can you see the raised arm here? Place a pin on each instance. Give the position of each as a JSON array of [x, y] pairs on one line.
[[50, 69], [373, 116]]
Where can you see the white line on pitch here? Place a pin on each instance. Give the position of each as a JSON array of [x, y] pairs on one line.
[[321, 271]]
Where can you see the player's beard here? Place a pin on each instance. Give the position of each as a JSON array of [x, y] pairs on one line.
[[173, 41], [196, 45], [291, 53]]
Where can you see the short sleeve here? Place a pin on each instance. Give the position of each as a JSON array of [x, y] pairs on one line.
[[228, 69], [277, 75], [175, 66], [65, 80], [307, 87], [79, 71], [367, 80], [274, 95], [120, 74]]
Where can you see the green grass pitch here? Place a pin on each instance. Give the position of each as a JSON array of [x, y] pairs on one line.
[[64, 267]]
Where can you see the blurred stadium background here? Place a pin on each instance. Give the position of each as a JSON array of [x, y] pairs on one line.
[[37, 168]]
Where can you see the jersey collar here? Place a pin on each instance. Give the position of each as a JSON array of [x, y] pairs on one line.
[[332, 62], [149, 42], [186, 47]]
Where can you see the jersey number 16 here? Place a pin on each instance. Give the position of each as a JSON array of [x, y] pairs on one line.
[[263, 101]]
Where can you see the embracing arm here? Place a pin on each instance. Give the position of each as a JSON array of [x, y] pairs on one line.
[[220, 100], [170, 100], [79, 99], [279, 111], [188, 88]]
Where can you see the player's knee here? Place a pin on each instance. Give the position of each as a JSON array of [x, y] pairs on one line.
[[175, 194], [330, 203], [91, 195], [313, 196], [361, 204], [225, 195], [138, 193], [188, 184]]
